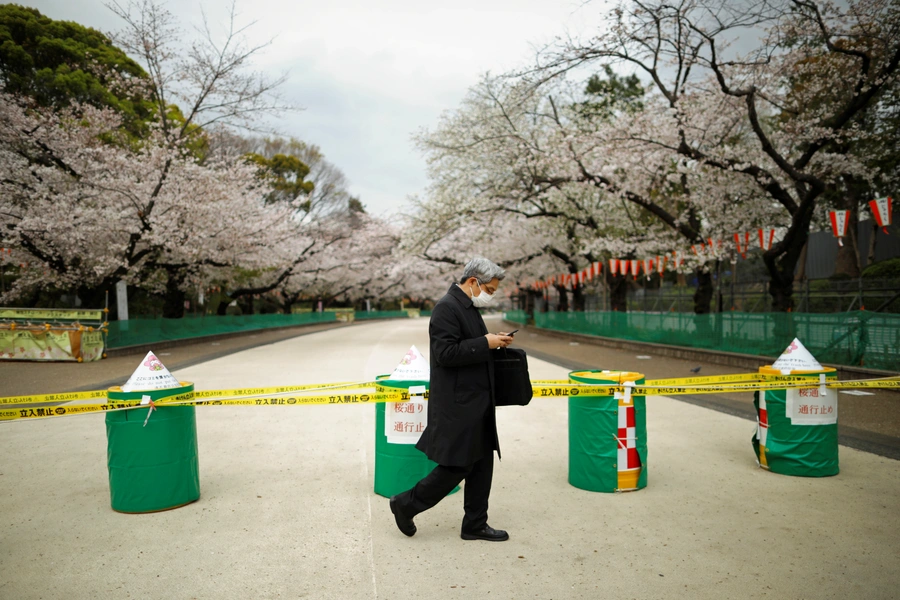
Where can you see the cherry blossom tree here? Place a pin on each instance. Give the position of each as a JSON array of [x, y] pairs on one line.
[[588, 190], [780, 116], [72, 199]]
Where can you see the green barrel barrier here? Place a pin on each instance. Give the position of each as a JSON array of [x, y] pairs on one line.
[[607, 436], [797, 430], [398, 467], [153, 467]]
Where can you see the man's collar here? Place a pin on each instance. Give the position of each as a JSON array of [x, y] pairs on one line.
[[457, 292]]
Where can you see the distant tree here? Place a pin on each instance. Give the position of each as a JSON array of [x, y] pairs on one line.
[[58, 63], [285, 173]]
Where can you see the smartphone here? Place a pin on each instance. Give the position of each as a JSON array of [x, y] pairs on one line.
[[512, 333]]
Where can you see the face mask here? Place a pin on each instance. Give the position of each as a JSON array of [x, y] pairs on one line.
[[482, 300]]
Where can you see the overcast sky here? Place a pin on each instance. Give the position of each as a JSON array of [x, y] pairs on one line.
[[369, 73]]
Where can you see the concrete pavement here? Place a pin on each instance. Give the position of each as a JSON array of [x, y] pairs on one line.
[[287, 508]]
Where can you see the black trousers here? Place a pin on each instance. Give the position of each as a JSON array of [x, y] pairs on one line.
[[441, 481]]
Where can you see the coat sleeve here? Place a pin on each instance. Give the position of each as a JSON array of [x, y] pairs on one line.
[[447, 343]]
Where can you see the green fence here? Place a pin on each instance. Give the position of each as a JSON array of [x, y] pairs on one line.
[[516, 316], [381, 314], [850, 338], [148, 331]]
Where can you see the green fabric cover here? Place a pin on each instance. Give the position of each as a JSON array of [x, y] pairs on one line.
[[398, 467], [593, 429], [799, 450], [516, 316], [147, 331], [850, 338], [154, 467], [381, 314]]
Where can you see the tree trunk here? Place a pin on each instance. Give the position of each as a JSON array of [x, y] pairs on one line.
[[870, 255], [578, 298], [247, 304], [618, 292], [222, 309], [704, 294], [173, 301], [563, 305]]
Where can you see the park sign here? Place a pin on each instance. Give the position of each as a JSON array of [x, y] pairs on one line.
[[151, 374]]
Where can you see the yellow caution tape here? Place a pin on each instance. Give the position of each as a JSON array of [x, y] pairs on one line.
[[284, 389], [735, 378], [300, 400], [281, 396], [187, 399], [62, 411], [44, 398]]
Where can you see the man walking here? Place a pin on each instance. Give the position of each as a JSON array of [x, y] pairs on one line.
[[461, 434]]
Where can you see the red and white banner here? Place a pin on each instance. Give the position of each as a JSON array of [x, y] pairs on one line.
[[882, 211], [614, 267], [742, 245], [839, 221], [661, 263], [766, 237], [648, 267], [596, 269], [677, 259], [635, 267]]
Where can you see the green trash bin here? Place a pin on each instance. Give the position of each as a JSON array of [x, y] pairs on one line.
[[797, 430], [155, 467], [398, 467], [607, 435]]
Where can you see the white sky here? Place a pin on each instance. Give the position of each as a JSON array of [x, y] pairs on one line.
[[370, 73]]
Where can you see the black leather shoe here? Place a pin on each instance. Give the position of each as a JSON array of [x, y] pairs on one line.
[[404, 523], [486, 533]]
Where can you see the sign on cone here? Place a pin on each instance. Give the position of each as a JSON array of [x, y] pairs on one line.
[[796, 358], [413, 367], [151, 374]]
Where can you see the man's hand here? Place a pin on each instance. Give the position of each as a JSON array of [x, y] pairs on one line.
[[500, 340]]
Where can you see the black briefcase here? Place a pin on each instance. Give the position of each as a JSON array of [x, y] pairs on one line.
[[512, 385]]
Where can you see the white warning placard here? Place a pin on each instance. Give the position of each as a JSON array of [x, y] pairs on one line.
[[809, 406], [404, 422]]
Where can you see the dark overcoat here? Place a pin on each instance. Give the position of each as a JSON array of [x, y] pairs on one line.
[[461, 423]]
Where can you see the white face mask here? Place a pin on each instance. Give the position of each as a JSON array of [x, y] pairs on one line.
[[482, 300]]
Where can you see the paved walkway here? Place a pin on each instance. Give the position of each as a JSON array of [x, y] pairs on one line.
[[287, 508]]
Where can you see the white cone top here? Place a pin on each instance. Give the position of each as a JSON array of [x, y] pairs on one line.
[[796, 358], [151, 374], [413, 367]]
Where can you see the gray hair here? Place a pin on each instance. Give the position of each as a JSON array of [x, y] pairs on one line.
[[483, 270]]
